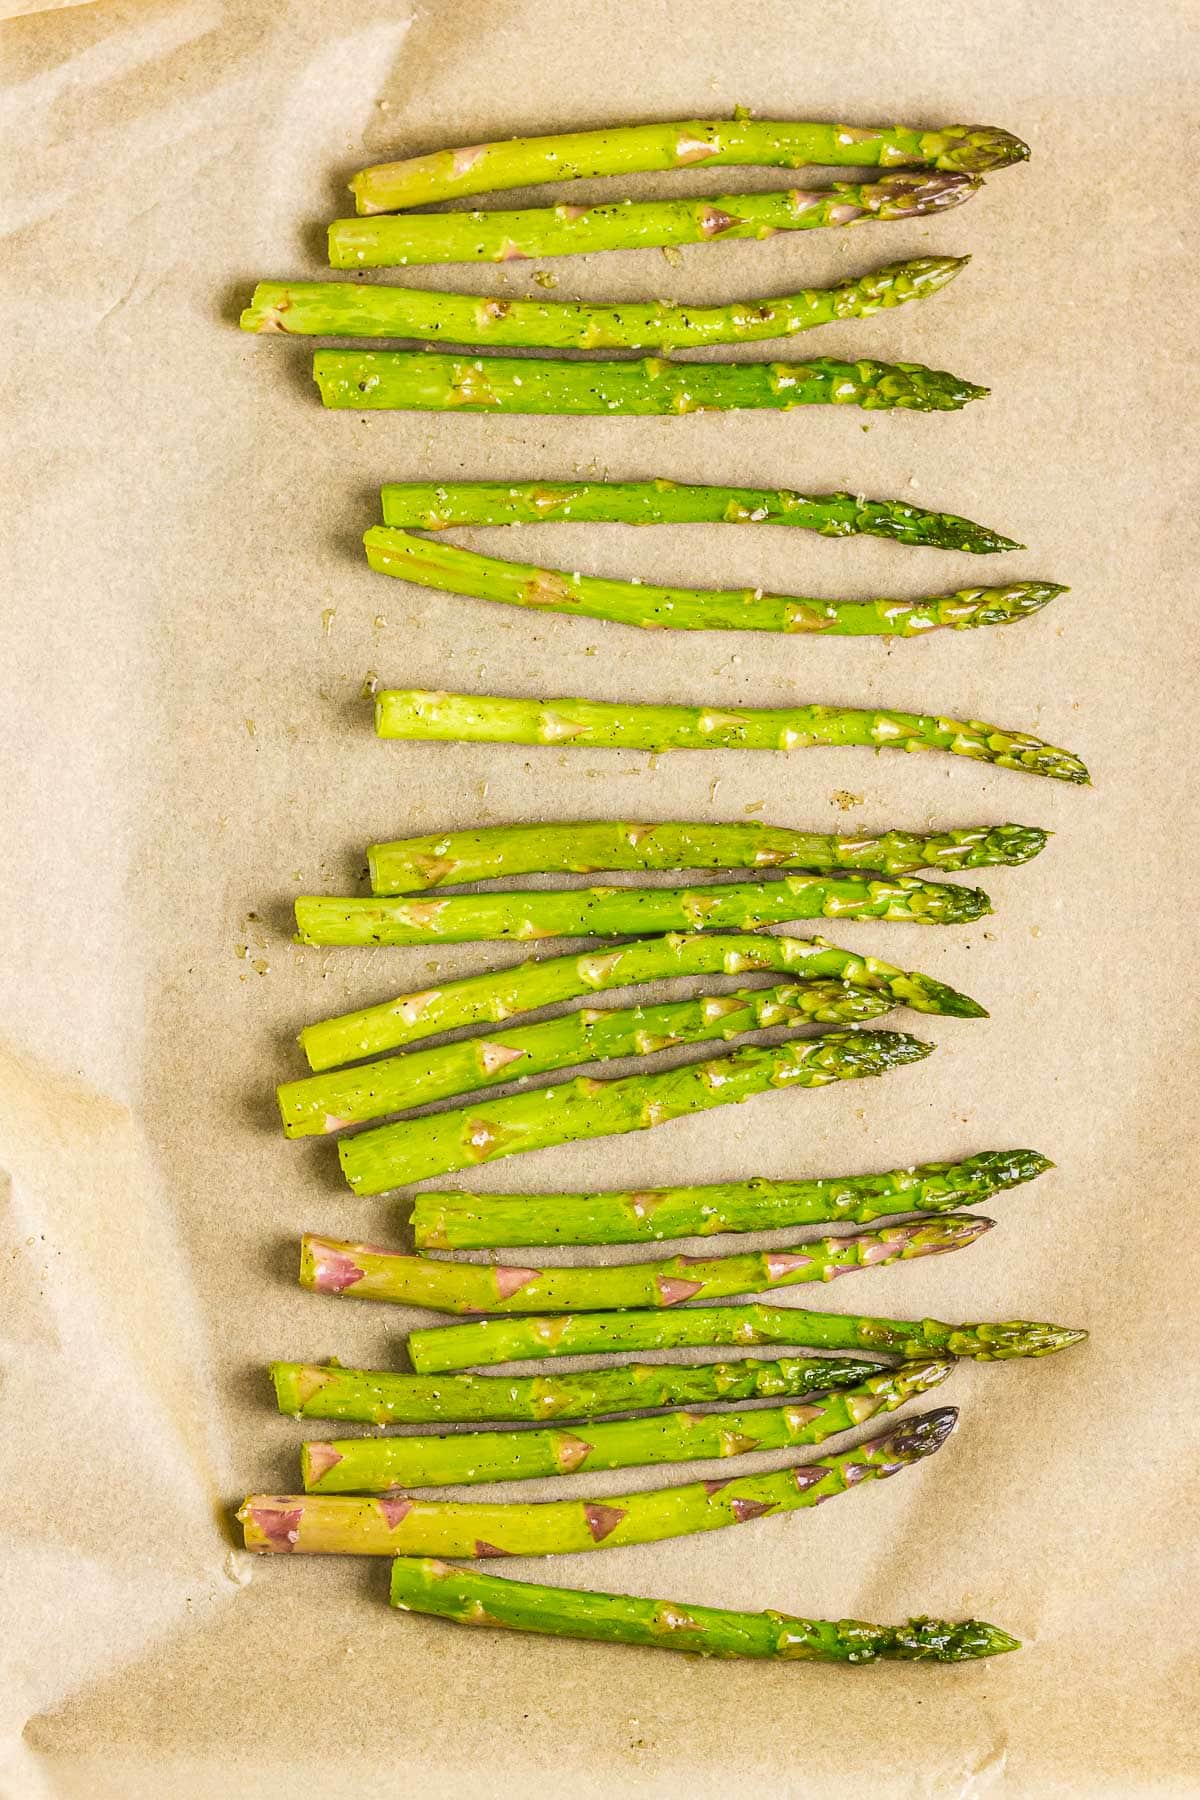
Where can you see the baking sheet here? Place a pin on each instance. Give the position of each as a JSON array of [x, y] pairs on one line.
[[191, 628]]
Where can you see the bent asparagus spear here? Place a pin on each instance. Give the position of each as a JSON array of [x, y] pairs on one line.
[[350, 309], [715, 143], [380, 1397], [394, 1524], [469, 1597], [450, 570], [462, 1221], [431, 715], [492, 852], [503, 236], [497, 995], [619, 911], [435, 505], [590, 1334], [435, 381], [325, 1103], [329, 1266], [376, 1465], [390, 1156]]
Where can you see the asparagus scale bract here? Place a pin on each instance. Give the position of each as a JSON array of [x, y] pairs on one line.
[[413, 865], [589, 1334], [431, 715], [530, 913], [350, 309], [364, 1272], [397, 1525], [435, 505], [382, 1397], [498, 995], [464, 1459], [470, 1597], [451, 570], [325, 1103], [389, 1156], [435, 381], [464, 1221], [677, 144]]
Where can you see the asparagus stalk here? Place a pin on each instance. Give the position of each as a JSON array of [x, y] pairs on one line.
[[464, 1459], [716, 143], [390, 1156], [435, 381], [617, 911], [500, 237], [325, 1103], [518, 1340], [330, 1266], [451, 570], [461, 1221], [469, 1597], [349, 309], [379, 1397], [395, 1525], [497, 995], [435, 505], [596, 724], [413, 865]]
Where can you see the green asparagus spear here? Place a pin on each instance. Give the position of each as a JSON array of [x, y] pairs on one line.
[[324, 1103], [379, 1397], [436, 505], [349, 309], [499, 237], [596, 724], [394, 1524], [434, 381], [377, 1465], [451, 570], [529, 913], [391, 1156], [519, 1340], [329, 1266], [497, 995], [676, 144], [461, 1221], [469, 1597], [412, 865]]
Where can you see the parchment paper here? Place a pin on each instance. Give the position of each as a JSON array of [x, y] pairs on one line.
[[191, 627]]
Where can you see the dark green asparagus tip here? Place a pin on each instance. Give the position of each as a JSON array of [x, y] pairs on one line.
[[933, 1640], [1009, 1168], [1020, 843], [919, 1437], [972, 149], [951, 1003]]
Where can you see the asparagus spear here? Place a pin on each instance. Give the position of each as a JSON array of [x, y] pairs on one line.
[[390, 1156], [377, 1465], [500, 993], [324, 1103], [518, 1340], [435, 505], [349, 309], [460, 1221], [634, 149], [451, 570], [412, 865], [379, 1397], [469, 1597], [499, 237], [329, 1266], [596, 724], [616, 911], [434, 381], [394, 1524]]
